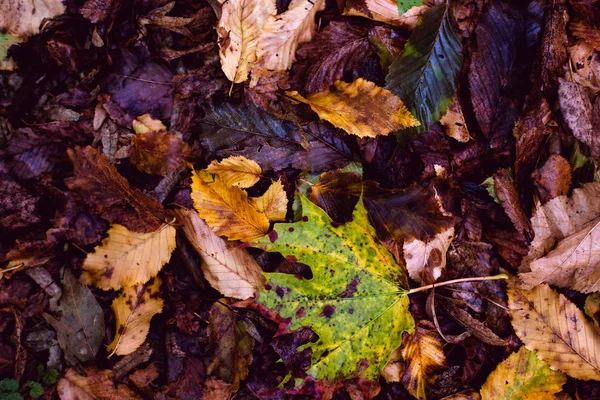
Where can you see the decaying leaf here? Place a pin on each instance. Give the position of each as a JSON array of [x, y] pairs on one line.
[[360, 108], [232, 345], [153, 150], [110, 195], [273, 203], [592, 309], [586, 23], [95, 384], [356, 300], [424, 76], [565, 250], [424, 357], [127, 258], [281, 34], [7, 40], [79, 321], [23, 17], [239, 28], [426, 260], [236, 171], [549, 324], [134, 308], [228, 268], [337, 192], [522, 376], [226, 209]]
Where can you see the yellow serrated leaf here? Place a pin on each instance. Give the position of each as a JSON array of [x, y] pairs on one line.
[[134, 308], [239, 28], [522, 376], [282, 34], [225, 209], [556, 329], [226, 266], [273, 202], [236, 171], [127, 258], [424, 353], [360, 108]]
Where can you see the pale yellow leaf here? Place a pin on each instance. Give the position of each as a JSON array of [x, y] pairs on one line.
[[282, 34], [522, 376], [134, 308], [145, 123], [239, 27], [273, 202], [454, 122], [418, 361], [126, 258], [385, 11], [566, 249], [227, 210], [236, 171], [23, 17], [548, 323], [425, 260], [227, 267], [360, 108]]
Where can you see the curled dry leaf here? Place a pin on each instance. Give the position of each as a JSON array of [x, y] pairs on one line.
[[424, 357], [565, 250], [282, 33], [548, 323], [127, 258], [232, 345], [360, 108], [227, 210], [239, 28], [356, 300], [522, 376], [426, 260], [23, 17], [153, 150], [236, 171], [110, 195], [228, 268], [134, 309], [79, 321]]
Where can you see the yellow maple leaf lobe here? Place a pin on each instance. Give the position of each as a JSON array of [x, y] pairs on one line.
[[360, 108], [227, 209]]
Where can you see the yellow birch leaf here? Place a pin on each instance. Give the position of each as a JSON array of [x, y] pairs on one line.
[[145, 123], [548, 323], [227, 210], [239, 28], [424, 354], [360, 108], [236, 171], [522, 376], [126, 258], [134, 308], [282, 34], [226, 266], [273, 202]]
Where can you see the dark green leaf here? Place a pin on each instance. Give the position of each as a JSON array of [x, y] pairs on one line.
[[405, 5], [11, 396], [425, 74], [9, 385], [35, 389]]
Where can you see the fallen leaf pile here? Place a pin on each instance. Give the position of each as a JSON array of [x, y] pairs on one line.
[[299, 199]]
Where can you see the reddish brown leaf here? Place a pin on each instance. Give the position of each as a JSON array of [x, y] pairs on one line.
[[109, 194], [337, 192], [509, 198], [158, 152], [553, 179]]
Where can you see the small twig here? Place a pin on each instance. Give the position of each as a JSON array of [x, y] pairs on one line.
[[453, 281]]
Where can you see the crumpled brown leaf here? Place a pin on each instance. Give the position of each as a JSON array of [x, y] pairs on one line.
[[109, 194]]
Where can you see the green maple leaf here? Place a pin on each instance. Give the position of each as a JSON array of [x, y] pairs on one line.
[[357, 300]]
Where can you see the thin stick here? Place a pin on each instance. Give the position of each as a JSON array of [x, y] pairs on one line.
[[477, 279]]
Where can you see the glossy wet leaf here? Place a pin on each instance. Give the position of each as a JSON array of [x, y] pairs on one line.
[[356, 300]]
